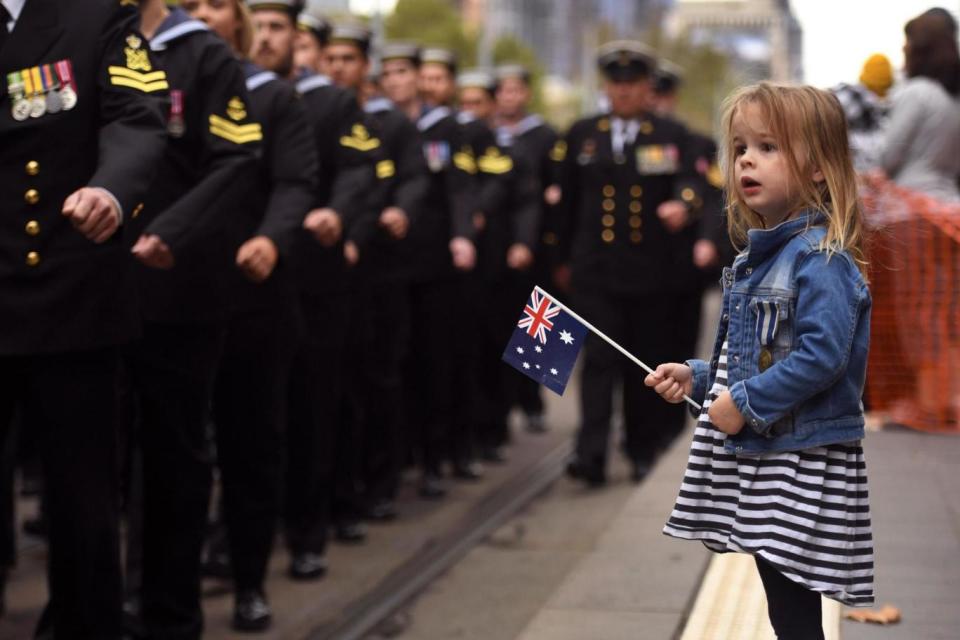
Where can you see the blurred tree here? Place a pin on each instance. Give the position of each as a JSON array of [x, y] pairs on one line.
[[432, 23]]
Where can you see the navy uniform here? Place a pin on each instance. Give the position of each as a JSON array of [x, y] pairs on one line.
[[213, 147], [430, 366], [631, 276], [316, 395], [70, 117], [403, 182], [251, 385], [535, 146]]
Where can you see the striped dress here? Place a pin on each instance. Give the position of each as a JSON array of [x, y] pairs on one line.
[[804, 512]]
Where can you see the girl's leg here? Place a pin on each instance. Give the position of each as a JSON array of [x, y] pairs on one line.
[[795, 611]]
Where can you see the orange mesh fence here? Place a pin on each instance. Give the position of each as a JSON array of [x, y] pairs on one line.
[[913, 375]]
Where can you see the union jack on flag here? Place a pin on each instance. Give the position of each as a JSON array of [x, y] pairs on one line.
[[538, 316], [528, 351]]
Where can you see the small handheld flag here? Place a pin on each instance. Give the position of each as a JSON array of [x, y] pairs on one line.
[[547, 340]]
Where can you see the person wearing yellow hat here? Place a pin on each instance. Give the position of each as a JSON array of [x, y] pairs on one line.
[[865, 105]]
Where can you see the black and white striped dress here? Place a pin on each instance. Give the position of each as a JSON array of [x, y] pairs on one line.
[[804, 512]]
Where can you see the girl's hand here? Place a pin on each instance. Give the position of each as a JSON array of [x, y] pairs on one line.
[[724, 414], [672, 381]]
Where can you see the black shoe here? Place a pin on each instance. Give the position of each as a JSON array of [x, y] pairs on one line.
[[493, 455], [593, 475], [350, 533], [536, 423], [431, 487], [308, 566], [468, 471], [381, 511], [641, 469], [251, 612]]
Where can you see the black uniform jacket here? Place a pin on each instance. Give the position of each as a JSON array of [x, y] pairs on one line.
[[402, 181], [446, 213], [58, 290], [213, 147], [345, 179], [611, 234], [506, 198], [535, 146], [283, 191]]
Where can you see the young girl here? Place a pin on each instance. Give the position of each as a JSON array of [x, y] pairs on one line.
[[776, 468]]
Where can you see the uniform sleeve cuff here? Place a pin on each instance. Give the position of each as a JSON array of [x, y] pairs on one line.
[[116, 203], [742, 401]]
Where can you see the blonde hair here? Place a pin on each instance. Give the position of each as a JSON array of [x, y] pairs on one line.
[[810, 129], [244, 41]]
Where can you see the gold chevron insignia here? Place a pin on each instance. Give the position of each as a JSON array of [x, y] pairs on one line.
[[559, 151], [129, 3], [386, 169], [360, 139], [236, 109], [146, 82], [494, 162], [236, 133], [465, 161]]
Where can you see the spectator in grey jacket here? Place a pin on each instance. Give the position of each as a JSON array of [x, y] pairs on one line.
[[921, 148]]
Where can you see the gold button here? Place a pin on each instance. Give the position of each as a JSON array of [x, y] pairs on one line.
[[609, 191], [137, 210], [33, 259], [609, 205], [32, 196], [608, 220], [550, 238], [607, 235], [636, 222], [635, 206], [32, 228], [687, 194], [646, 128], [636, 237], [636, 191], [33, 168]]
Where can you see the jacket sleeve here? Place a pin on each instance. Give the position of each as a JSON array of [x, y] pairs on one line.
[[830, 299], [460, 182], [688, 184], [495, 171], [906, 117], [566, 217], [133, 136], [355, 172], [231, 145], [291, 159], [413, 179], [527, 194]]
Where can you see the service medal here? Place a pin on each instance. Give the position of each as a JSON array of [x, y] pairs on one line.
[[21, 109], [68, 97], [176, 126], [50, 86], [68, 94], [19, 106], [766, 359], [38, 104]]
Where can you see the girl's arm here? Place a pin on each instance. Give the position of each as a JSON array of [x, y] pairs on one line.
[[831, 297], [701, 376]]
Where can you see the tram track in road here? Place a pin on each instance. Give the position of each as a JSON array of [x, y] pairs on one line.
[[366, 614]]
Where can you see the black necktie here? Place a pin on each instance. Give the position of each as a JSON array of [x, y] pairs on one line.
[[4, 19]]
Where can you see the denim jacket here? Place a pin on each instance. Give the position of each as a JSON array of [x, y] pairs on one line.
[[797, 326]]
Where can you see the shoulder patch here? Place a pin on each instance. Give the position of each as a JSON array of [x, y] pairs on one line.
[[236, 109], [465, 161], [360, 139], [132, 79], [233, 132], [494, 162]]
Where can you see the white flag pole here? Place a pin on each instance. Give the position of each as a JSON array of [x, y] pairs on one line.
[[613, 344]]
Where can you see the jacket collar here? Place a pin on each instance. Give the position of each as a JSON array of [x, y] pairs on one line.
[[176, 25], [762, 243]]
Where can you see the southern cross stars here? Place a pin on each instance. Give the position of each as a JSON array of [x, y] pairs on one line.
[[566, 337]]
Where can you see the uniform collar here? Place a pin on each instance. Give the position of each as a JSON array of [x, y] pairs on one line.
[[14, 7], [432, 116], [310, 82], [174, 26], [377, 105], [762, 243], [256, 76], [508, 132]]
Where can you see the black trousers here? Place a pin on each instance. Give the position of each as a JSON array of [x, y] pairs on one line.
[[655, 329], [497, 315], [70, 399], [315, 410], [249, 406], [429, 370], [795, 612], [173, 368], [379, 390]]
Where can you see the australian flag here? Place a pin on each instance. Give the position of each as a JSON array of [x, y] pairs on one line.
[[545, 342]]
